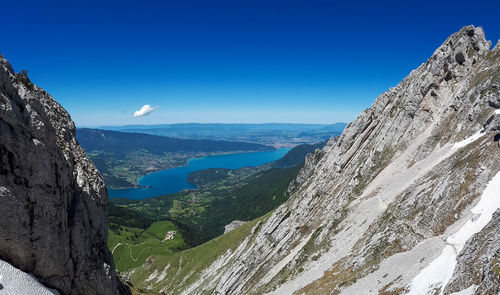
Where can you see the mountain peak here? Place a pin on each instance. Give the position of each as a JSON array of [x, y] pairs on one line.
[[459, 53], [399, 181]]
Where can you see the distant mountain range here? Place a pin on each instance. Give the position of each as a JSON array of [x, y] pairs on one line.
[[122, 157], [275, 134], [123, 142]]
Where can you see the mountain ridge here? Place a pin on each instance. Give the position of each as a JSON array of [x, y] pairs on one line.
[[116, 139], [53, 223], [373, 209], [273, 134]]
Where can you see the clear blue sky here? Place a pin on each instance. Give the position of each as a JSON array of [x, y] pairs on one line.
[[227, 61]]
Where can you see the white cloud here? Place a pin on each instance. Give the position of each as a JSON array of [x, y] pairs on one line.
[[146, 109]]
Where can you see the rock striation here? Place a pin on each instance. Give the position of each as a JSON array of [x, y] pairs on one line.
[[233, 225], [53, 216], [396, 204]]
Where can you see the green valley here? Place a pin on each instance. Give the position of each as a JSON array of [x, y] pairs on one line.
[[181, 269], [131, 246], [138, 227], [207, 211]]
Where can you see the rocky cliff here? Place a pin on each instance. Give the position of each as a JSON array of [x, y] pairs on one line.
[[403, 202], [53, 215]]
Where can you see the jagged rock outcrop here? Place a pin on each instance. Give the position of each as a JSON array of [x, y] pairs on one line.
[[386, 208], [233, 225], [53, 215]]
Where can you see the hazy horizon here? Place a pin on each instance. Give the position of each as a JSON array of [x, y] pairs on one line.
[[208, 123]]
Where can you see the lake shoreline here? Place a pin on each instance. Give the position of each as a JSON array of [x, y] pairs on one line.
[[173, 180], [185, 163]]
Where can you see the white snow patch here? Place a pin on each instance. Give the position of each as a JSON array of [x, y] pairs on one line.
[[497, 112], [439, 272], [468, 140], [468, 291], [482, 214], [15, 281], [436, 275], [397, 270]]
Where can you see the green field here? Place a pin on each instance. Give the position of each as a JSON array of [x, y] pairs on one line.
[[132, 246], [185, 267], [206, 211], [223, 195], [199, 216]]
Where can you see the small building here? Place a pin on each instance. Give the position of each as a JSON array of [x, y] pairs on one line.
[[170, 235]]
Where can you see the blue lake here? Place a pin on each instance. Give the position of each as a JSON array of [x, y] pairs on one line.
[[173, 180]]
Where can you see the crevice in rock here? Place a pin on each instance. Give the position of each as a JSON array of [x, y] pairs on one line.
[[281, 221]]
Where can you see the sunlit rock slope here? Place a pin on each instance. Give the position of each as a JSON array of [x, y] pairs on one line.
[[403, 201]]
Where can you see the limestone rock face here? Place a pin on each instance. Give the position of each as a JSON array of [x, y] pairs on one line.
[[53, 215], [233, 225], [396, 204]]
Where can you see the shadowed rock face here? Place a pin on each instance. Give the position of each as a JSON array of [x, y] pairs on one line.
[[53, 220]]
